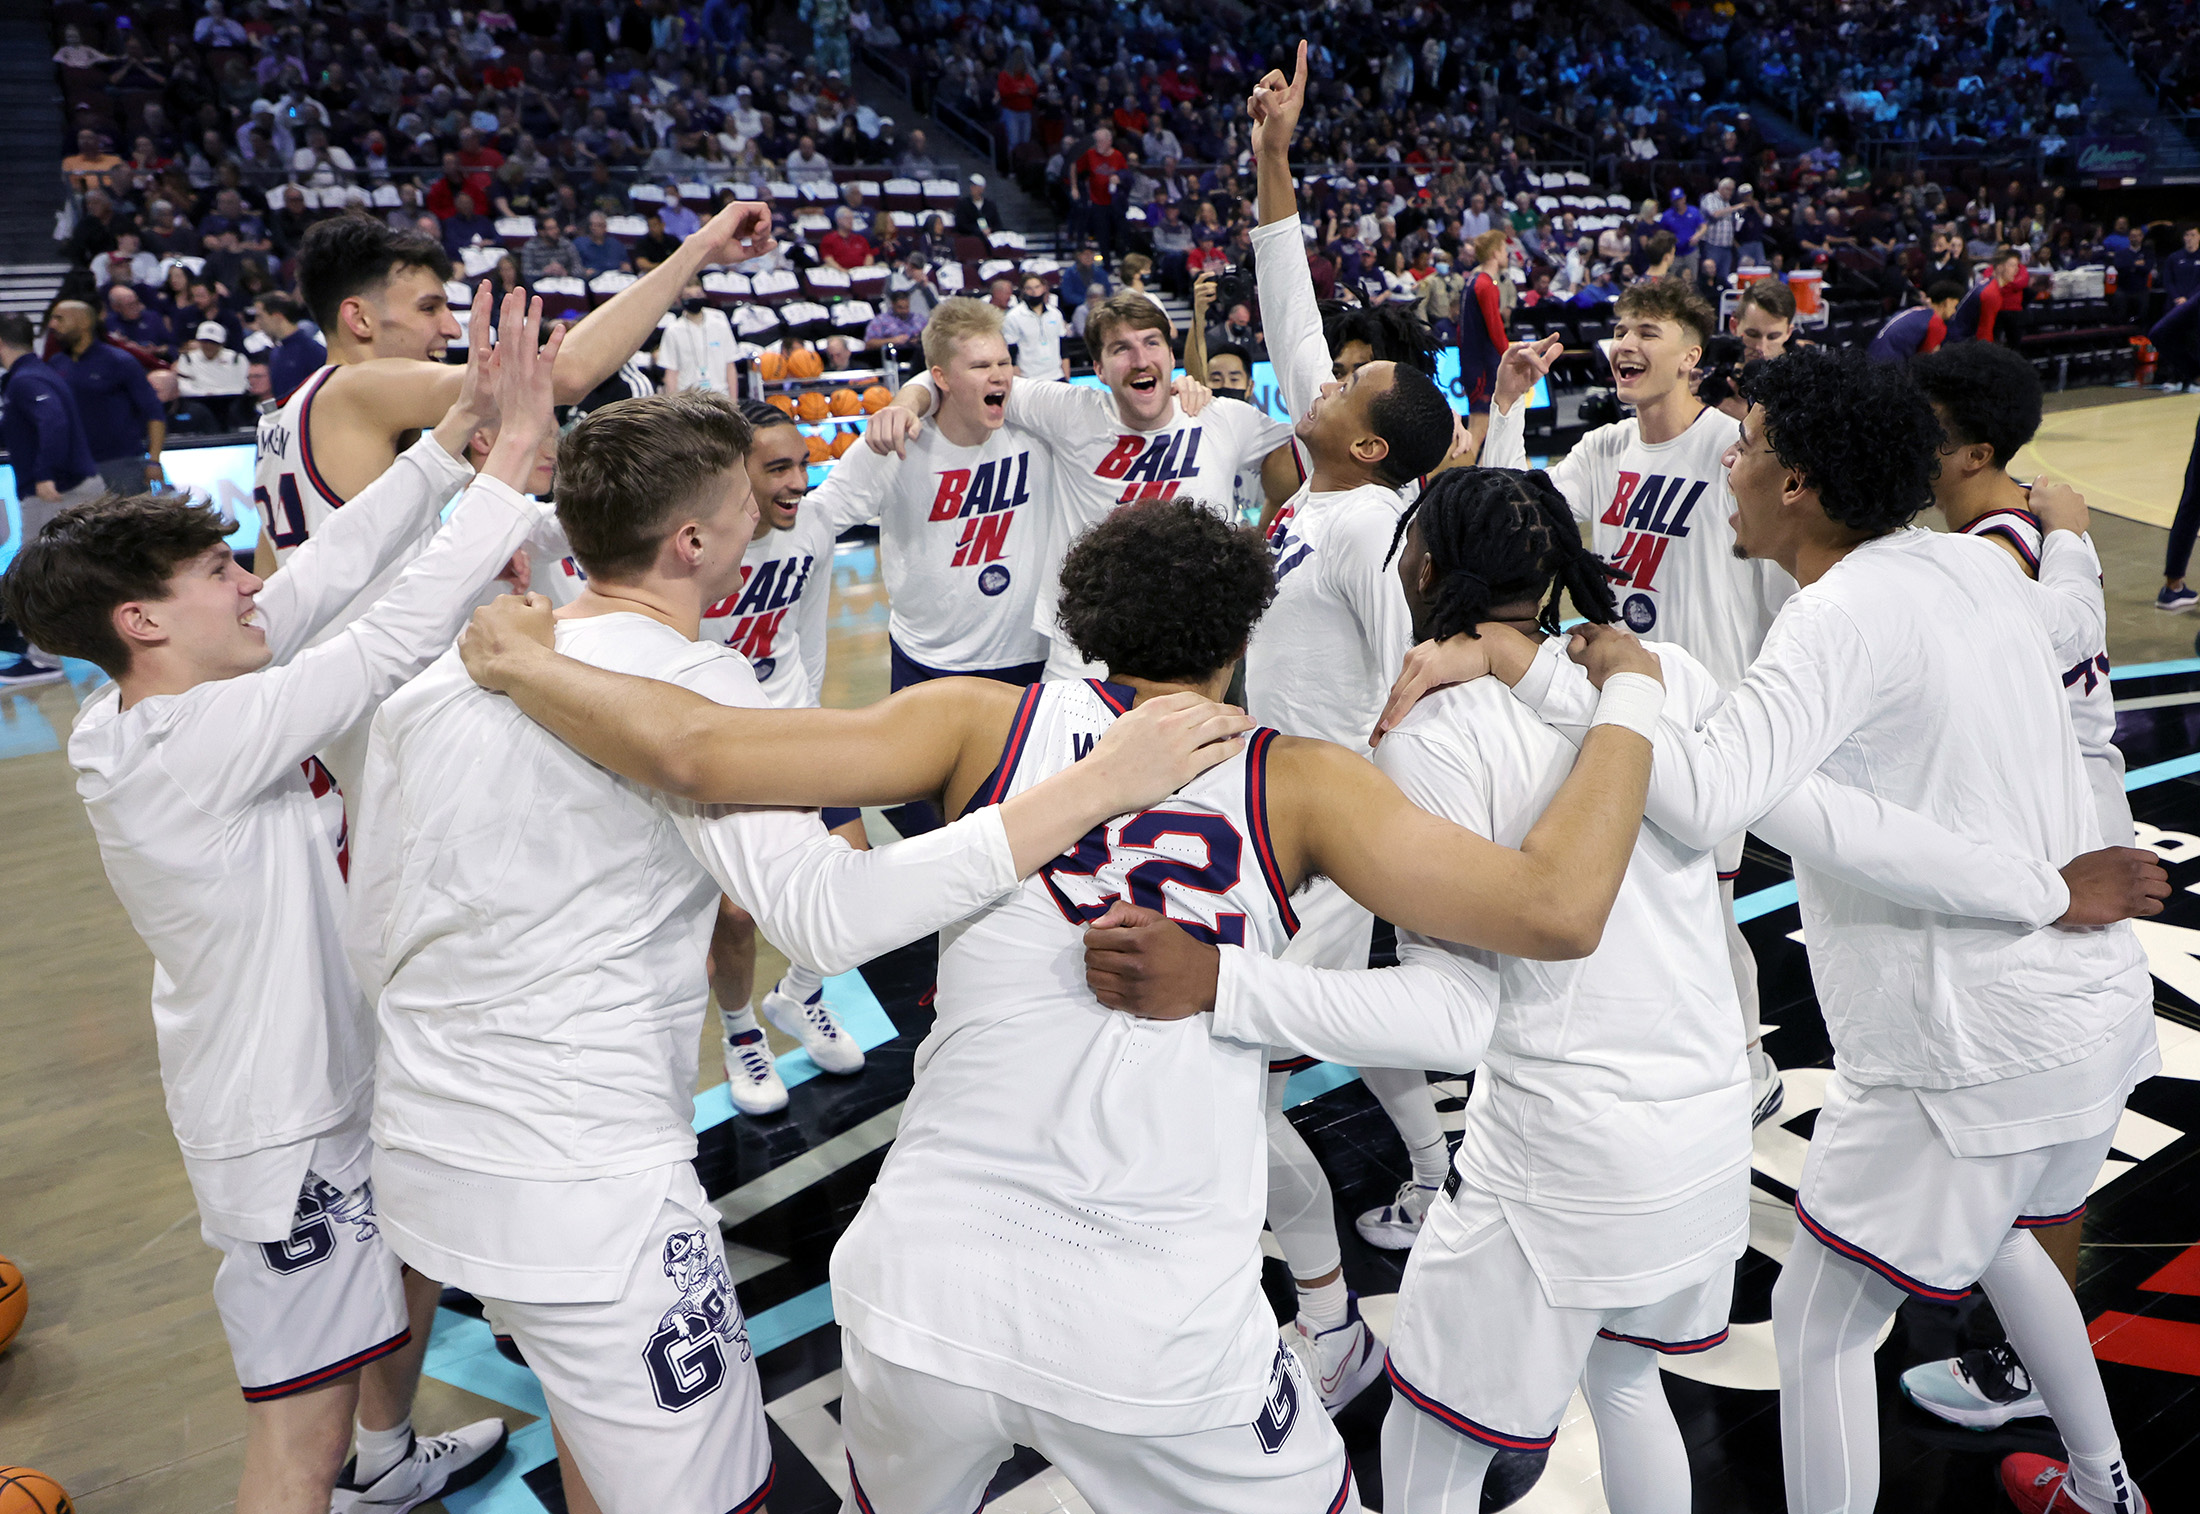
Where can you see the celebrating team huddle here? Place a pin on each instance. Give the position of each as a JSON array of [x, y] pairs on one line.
[[438, 925]]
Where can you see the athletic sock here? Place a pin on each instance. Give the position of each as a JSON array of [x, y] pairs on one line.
[[738, 1021], [800, 983], [1324, 1308], [380, 1450], [1431, 1163], [2049, 1331]]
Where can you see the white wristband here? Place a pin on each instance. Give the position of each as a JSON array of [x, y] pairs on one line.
[[1631, 700]]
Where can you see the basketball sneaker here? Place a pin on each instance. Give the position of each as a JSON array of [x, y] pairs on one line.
[[435, 1466], [751, 1079], [1393, 1226], [2175, 601], [1766, 1090], [1342, 1361], [2038, 1484], [1979, 1390], [813, 1023]]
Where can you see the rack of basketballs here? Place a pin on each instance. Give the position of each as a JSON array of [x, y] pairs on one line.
[[829, 408]]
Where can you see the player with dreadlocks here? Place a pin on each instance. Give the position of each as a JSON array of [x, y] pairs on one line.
[[1600, 1193]]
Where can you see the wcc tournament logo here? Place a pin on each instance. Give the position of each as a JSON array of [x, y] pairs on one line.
[[1654, 512], [984, 499], [687, 1355], [322, 1206], [1151, 467], [768, 591]]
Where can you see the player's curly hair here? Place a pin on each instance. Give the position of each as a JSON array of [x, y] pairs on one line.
[[1861, 433], [1393, 333], [1986, 393], [1497, 536], [1166, 590]]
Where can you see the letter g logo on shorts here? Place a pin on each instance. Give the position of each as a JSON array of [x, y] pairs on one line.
[[1281, 1411]]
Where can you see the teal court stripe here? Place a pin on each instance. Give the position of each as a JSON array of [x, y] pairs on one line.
[[2161, 772], [1764, 901], [769, 1329], [463, 1353], [2156, 669], [861, 1015]]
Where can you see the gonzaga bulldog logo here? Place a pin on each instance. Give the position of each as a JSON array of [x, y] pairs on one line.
[[322, 1206], [687, 1354]]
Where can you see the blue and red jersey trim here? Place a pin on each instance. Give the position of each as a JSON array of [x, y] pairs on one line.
[[1115, 696], [755, 1501], [1990, 524], [1343, 1500], [2046, 1221], [1885, 1269], [1256, 817], [1666, 1348], [1291, 1064], [995, 787], [329, 1373], [305, 440], [1472, 1429]]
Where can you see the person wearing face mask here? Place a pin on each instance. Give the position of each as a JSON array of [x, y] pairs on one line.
[[1034, 327], [698, 349]]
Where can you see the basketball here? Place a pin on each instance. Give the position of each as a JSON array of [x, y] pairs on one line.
[[844, 441], [876, 398], [813, 406], [23, 1491], [13, 1301], [845, 402], [821, 450], [804, 362], [770, 367], [781, 402]]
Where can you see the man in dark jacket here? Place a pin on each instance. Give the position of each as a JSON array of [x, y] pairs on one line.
[[53, 469]]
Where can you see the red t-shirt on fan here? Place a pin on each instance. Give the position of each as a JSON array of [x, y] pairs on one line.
[[1099, 170], [1017, 91]]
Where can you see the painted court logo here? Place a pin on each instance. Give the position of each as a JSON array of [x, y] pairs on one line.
[[687, 1354]]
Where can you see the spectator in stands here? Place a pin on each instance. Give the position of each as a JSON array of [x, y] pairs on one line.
[[1034, 328], [292, 221], [216, 29], [131, 321], [1092, 189], [129, 263], [466, 227], [806, 165], [975, 215], [680, 221], [1016, 93], [1717, 242], [96, 228], [1001, 291], [2176, 336], [92, 166], [124, 422], [1765, 320], [1172, 244], [1660, 251], [1084, 272], [550, 253], [699, 349], [1685, 222], [1081, 317], [214, 374], [915, 279], [297, 354], [916, 161], [895, 325], [1237, 330], [442, 196], [844, 246], [599, 250], [53, 467]]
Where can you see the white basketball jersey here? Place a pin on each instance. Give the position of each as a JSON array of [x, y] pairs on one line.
[[2085, 684], [1071, 1213]]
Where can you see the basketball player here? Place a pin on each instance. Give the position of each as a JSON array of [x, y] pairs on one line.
[[1120, 1330], [540, 990], [1320, 665], [1919, 329], [1974, 316], [1651, 489], [1130, 441], [1600, 1195], [1765, 320], [1979, 1072], [1987, 400], [379, 298], [225, 841]]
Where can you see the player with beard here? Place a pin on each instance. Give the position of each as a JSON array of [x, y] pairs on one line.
[[1979, 1070], [1320, 665], [1652, 490], [1124, 1335], [1132, 440]]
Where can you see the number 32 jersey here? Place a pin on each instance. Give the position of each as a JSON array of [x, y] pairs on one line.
[[1071, 1213]]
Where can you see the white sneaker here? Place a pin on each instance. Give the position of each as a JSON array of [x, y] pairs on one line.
[[1342, 1361], [433, 1467], [1980, 1389], [1394, 1225], [1766, 1090], [751, 1079], [817, 1028]]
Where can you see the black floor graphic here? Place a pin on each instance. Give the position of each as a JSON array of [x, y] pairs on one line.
[[2133, 1284]]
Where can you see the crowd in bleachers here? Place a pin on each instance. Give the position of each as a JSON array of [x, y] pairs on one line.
[[569, 146], [2162, 40]]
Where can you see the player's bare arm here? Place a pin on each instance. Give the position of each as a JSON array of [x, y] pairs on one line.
[[386, 396], [936, 741]]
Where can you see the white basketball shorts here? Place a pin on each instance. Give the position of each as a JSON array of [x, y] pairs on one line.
[[1477, 1345], [1881, 1187], [918, 1444], [655, 1394], [325, 1301]]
